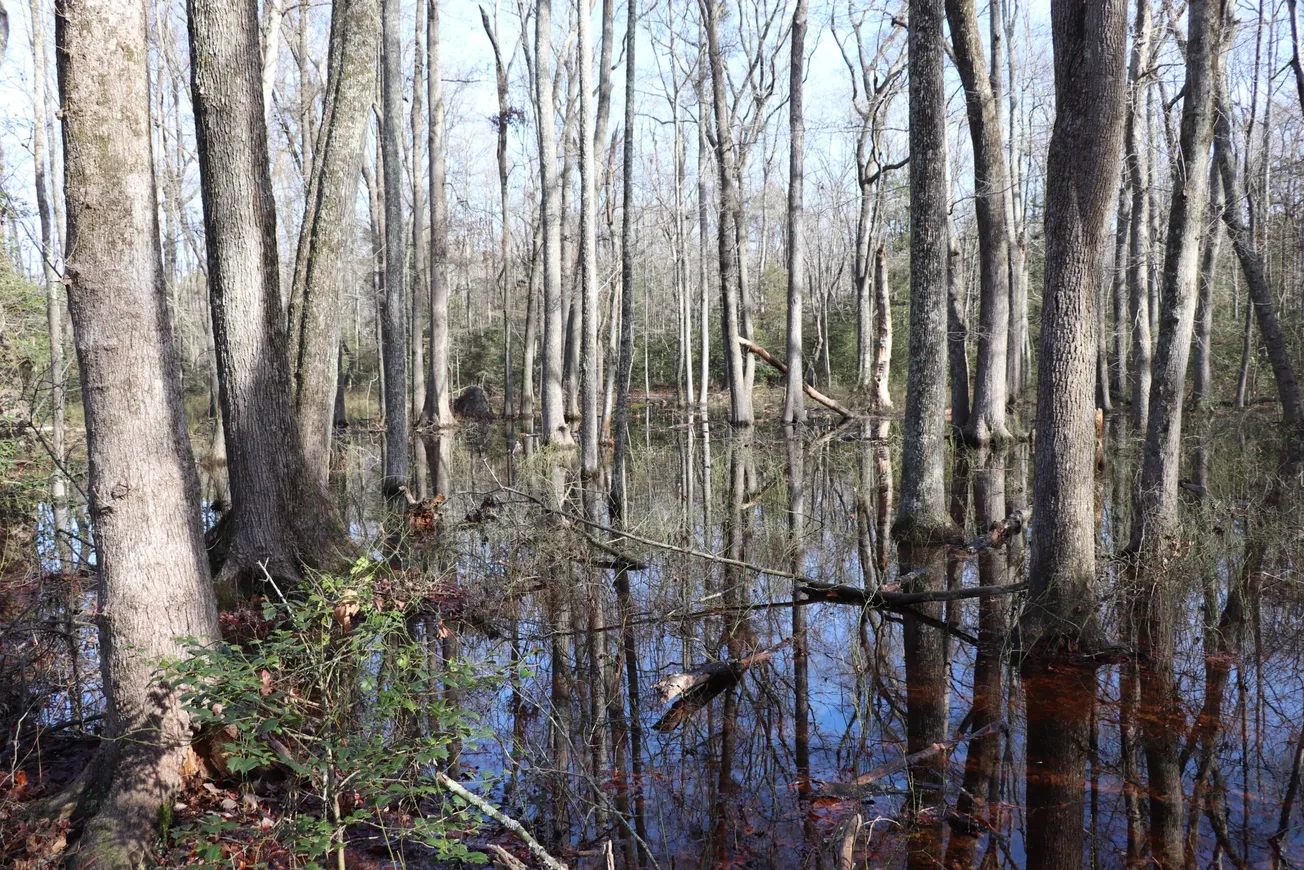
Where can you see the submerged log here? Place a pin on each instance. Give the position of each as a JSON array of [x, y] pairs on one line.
[[830, 403], [697, 687]]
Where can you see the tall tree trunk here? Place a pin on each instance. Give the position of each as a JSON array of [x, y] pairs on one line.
[[794, 408], [326, 232], [1154, 527], [439, 409], [588, 263], [1121, 334], [394, 334], [419, 275], [740, 398], [555, 428], [986, 422], [1202, 386], [280, 517], [502, 124], [55, 303], [703, 230], [154, 584], [922, 509], [617, 496], [1082, 169], [1138, 266]]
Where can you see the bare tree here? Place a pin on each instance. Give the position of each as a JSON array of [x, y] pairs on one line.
[[327, 229], [588, 263], [740, 397], [154, 585], [618, 459], [794, 408], [1082, 168], [1138, 266], [279, 516], [394, 335], [439, 409], [986, 421], [555, 428], [502, 125]]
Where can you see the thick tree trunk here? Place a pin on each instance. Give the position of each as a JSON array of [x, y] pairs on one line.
[[153, 574], [957, 332], [326, 232], [1121, 334], [740, 398], [922, 510], [1082, 170], [794, 408], [555, 428], [279, 516], [439, 409], [418, 277], [394, 334], [986, 422]]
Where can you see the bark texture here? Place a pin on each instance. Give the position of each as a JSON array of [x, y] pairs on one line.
[[986, 421], [923, 460], [149, 547], [278, 516], [328, 224], [439, 408], [1082, 169], [794, 406], [394, 334]]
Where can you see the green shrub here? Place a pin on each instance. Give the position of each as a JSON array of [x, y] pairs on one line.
[[333, 690]]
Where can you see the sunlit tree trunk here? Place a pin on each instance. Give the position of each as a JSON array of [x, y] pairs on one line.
[[555, 428], [326, 232], [986, 422], [394, 334], [1081, 183], [621, 449], [588, 269], [1138, 266], [882, 397], [1202, 386], [154, 584], [438, 399], [280, 517], [794, 408], [740, 398], [501, 124]]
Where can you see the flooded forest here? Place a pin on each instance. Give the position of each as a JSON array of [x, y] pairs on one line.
[[682, 434]]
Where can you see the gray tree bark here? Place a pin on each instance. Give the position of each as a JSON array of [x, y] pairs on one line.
[[923, 508], [1138, 266], [740, 397], [1082, 170], [1202, 385], [279, 516], [1262, 301], [617, 495], [439, 409], [394, 334], [327, 228], [794, 407], [144, 493], [505, 238], [882, 396], [986, 421], [555, 428], [588, 267]]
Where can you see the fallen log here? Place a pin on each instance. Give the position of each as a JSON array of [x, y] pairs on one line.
[[862, 785], [831, 404], [498, 816], [697, 687], [999, 533], [843, 593]]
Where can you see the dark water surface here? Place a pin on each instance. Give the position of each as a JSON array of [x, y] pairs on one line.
[[752, 779]]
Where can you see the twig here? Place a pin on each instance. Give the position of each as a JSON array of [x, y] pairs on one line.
[[506, 821], [857, 787]]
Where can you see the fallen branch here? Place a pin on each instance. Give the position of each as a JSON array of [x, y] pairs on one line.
[[842, 593], [862, 784], [1000, 533], [697, 687], [506, 821], [831, 404]]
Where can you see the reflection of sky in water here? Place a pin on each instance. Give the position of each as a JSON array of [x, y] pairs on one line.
[[856, 722]]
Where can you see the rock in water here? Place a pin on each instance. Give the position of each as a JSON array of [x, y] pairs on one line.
[[473, 404]]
